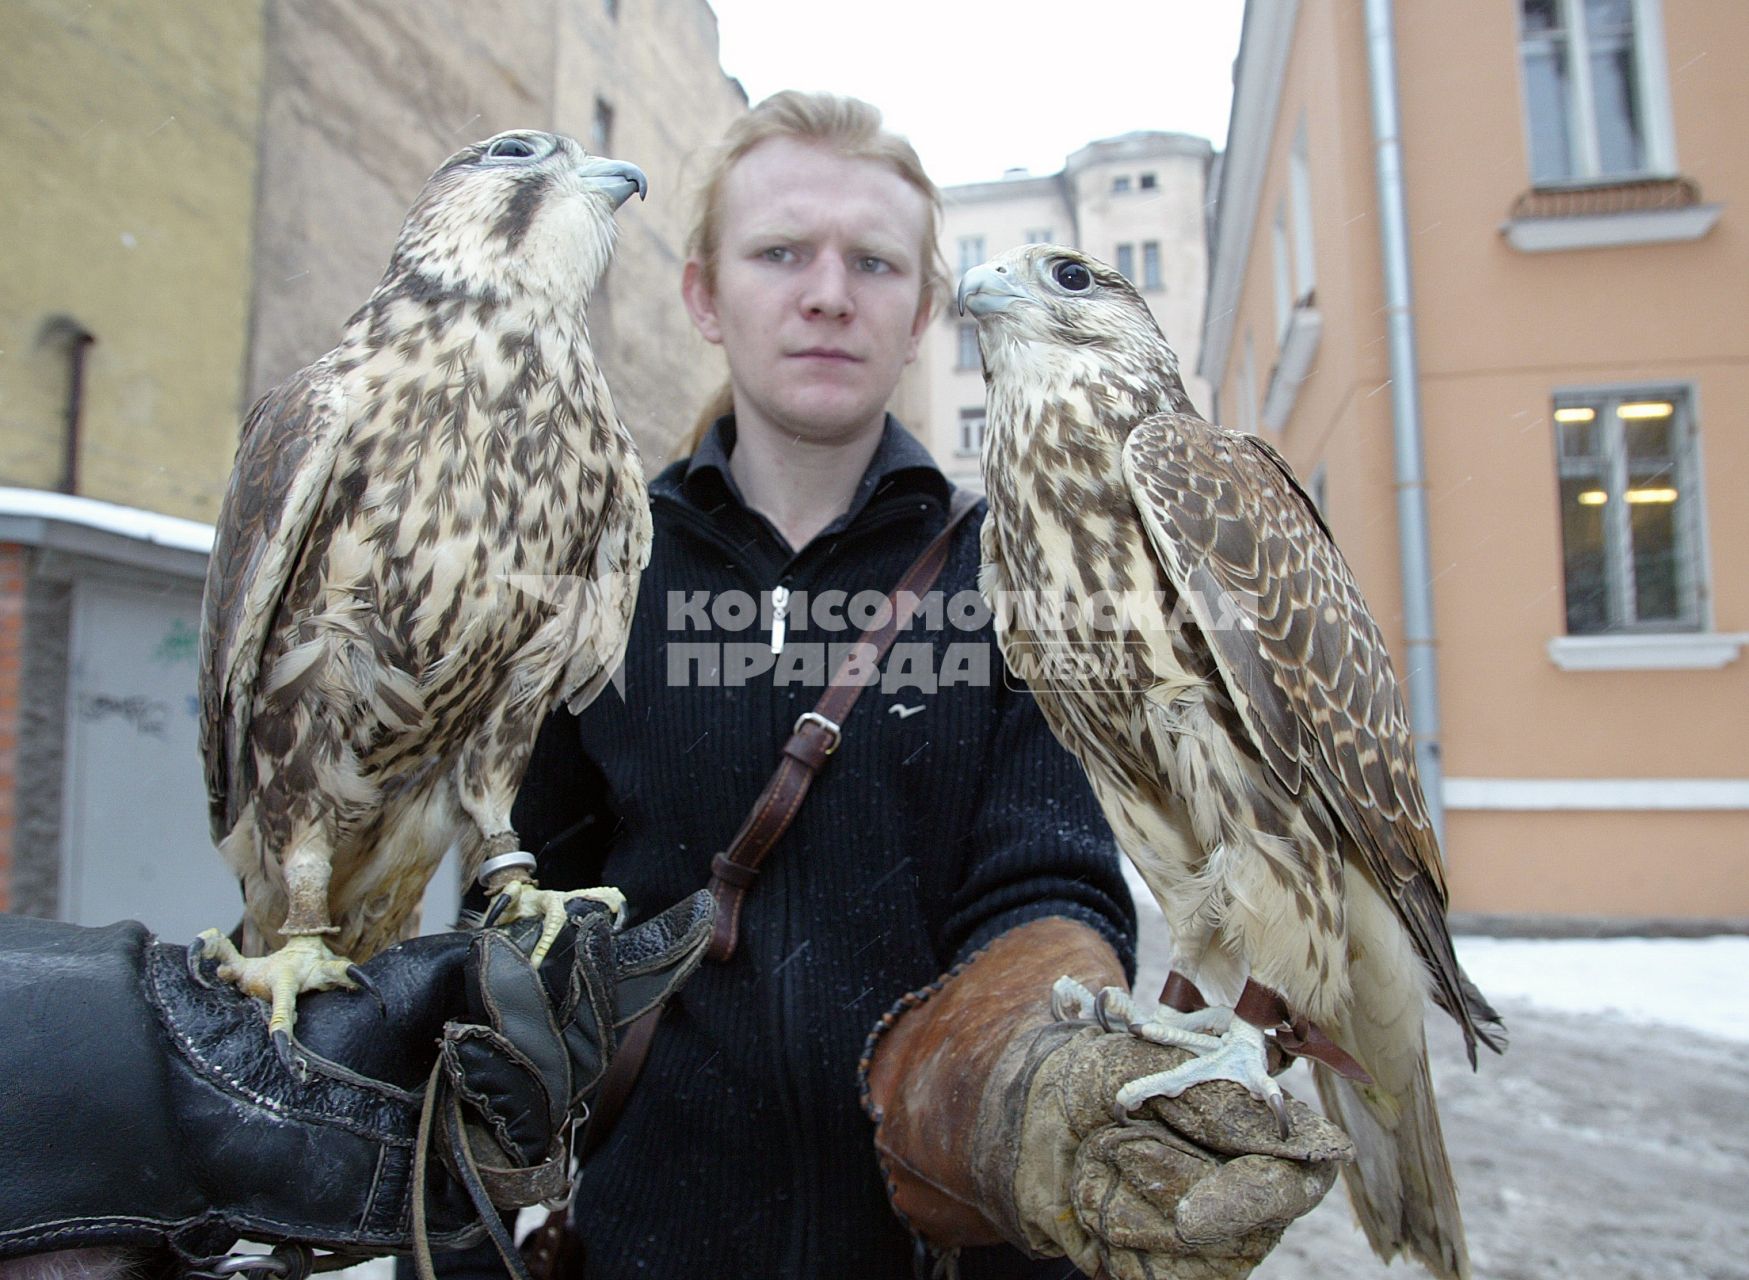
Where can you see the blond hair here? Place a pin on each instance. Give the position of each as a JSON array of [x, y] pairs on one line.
[[846, 126]]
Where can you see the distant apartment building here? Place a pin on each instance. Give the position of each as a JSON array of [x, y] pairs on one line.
[[1136, 201], [1552, 361], [199, 195]]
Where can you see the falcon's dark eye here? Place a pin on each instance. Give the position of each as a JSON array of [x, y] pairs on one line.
[[1072, 276], [510, 148]]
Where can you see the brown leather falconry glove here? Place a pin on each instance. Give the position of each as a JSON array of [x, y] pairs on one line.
[[994, 1121]]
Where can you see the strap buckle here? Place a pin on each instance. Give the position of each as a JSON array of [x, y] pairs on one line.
[[833, 732]]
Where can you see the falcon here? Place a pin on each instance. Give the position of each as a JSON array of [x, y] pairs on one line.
[[1195, 638], [431, 536]]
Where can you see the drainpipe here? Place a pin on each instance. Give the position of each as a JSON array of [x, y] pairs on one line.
[[78, 340], [1412, 536]]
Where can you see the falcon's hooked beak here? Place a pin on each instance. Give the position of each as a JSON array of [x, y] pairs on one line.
[[616, 179], [986, 290]]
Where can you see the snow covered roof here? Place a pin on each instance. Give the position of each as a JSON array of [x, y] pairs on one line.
[[107, 530]]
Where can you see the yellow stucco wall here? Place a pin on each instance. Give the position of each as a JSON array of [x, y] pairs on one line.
[[127, 137]]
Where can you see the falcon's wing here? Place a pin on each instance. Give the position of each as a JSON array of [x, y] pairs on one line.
[[285, 459], [610, 597], [1297, 649]]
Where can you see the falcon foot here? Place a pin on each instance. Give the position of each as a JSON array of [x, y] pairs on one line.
[[1239, 1054], [1226, 1048], [303, 964], [524, 900]]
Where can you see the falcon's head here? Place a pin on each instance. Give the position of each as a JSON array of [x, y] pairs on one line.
[[519, 213], [1047, 313]]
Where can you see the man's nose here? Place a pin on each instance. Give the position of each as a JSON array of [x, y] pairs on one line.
[[827, 291]]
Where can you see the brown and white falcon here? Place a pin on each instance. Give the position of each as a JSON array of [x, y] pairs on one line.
[[1194, 636], [431, 535]]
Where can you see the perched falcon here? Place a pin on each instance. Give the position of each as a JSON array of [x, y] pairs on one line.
[[1193, 635], [431, 535]]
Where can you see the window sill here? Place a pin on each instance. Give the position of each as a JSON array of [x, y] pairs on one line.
[[1611, 230], [1707, 650], [1299, 348]]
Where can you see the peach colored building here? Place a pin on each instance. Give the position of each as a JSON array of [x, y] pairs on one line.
[[1567, 355]]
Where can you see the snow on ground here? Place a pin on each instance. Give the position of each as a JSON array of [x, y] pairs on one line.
[[1696, 983]]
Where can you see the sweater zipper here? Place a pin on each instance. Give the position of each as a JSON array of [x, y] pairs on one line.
[[779, 614]]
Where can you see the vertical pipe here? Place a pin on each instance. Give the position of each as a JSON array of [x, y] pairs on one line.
[[1411, 478], [78, 340]]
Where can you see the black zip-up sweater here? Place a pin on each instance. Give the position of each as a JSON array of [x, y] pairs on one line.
[[946, 817]]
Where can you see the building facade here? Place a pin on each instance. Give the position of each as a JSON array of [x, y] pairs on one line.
[[1570, 179], [198, 199], [1137, 201]]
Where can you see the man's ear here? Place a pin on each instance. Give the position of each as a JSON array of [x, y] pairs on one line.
[[701, 304], [920, 323]]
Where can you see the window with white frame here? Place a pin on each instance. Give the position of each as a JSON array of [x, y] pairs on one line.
[[1284, 287], [1151, 278], [971, 252], [1126, 261], [1040, 235], [1120, 184], [1300, 207], [1248, 387], [971, 430], [1595, 89], [968, 347], [1629, 494]]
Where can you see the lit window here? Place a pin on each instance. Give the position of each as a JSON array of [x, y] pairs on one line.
[[1126, 261], [971, 252], [1151, 265], [1595, 95], [1629, 511], [1120, 184], [968, 347], [601, 131], [971, 430]]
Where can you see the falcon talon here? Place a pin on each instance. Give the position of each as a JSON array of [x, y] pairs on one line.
[[363, 982], [1278, 1107], [499, 906]]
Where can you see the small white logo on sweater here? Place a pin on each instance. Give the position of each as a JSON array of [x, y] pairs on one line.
[[903, 712]]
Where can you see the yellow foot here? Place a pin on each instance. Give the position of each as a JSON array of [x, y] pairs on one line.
[[303, 964], [524, 900]]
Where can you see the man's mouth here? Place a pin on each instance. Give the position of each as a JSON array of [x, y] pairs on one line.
[[824, 353]]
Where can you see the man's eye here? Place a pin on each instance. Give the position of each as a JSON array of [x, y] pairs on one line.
[[778, 253], [872, 264]]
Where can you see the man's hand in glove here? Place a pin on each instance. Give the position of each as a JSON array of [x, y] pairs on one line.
[[995, 1121], [146, 1108]]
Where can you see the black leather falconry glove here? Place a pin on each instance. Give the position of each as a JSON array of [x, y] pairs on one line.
[[143, 1106]]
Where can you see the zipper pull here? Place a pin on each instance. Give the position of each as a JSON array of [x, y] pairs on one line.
[[779, 612]]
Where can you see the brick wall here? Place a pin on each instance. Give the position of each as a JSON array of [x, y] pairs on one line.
[[12, 569]]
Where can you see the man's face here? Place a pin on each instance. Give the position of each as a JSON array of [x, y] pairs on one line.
[[818, 297]]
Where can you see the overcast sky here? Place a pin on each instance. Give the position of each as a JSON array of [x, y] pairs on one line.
[[980, 86]]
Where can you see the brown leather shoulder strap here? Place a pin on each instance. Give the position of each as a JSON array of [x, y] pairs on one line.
[[816, 736]]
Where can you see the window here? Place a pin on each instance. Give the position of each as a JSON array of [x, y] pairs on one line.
[[1149, 182], [1596, 100], [601, 131], [1629, 510], [1248, 388], [612, 8], [1300, 206], [968, 347], [971, 430], [1040, 235], [971, 252], [1126, 261], [1284, 289], [1151, 265], [1120, 184]]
